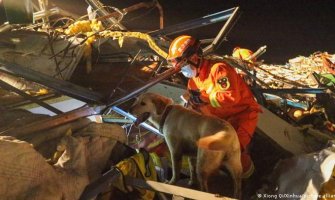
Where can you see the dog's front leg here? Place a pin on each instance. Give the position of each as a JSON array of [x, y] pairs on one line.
[[192, 161], [176, 159]]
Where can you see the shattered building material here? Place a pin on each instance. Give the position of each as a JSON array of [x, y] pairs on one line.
[[101, 11], [67, 88], [296, 73], [302, 72], [301, 177], [36, 50], [303, 85], [19, 12], [10, 97], [7, 86], [83, 154], [119, 65]]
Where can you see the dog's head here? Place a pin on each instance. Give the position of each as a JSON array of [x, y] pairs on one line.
[[149, 106]]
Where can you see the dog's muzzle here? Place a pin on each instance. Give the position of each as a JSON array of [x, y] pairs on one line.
[[142, 118]]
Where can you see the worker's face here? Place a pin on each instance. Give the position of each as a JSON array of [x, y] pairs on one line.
[[189, 71], [190, 68]]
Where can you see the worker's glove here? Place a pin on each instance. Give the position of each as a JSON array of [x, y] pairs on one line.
[[195, 98]]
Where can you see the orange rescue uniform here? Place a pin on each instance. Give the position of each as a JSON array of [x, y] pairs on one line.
[[228, 97]]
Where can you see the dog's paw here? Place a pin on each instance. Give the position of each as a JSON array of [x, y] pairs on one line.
[[191, 183], [172, 182]]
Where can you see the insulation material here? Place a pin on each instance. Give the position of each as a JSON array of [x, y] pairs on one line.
[[16, 118], [92, 29], [61, 161], [24, 174], [121, 35]]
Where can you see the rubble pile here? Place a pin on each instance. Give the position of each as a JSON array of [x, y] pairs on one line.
[[109, 62], [57, 163], [297, 72], [302, 107]]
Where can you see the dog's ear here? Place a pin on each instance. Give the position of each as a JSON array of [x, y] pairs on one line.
[[161, 103], [135, 101]]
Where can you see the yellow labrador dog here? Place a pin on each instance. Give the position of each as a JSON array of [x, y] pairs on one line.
[[209, 142]]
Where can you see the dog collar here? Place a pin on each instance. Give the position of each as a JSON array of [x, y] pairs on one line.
[[166, 112]]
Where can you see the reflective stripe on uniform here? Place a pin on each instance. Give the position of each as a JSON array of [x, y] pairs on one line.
[[212, 98], [210, 88]]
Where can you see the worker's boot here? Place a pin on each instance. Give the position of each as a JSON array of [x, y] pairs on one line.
[[247, 165]]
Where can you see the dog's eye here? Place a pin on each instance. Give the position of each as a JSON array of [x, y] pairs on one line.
[[142, 103]]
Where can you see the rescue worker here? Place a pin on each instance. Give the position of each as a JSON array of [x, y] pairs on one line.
[[243, 54], [215, 88]]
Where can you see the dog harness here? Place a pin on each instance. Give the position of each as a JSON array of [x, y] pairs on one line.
[[166, 112]]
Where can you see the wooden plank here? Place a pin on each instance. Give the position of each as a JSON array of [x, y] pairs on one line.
[[172, 189], [52, 121]]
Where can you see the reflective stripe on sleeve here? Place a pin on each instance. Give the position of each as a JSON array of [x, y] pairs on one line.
[[212, 98], [210, 88]]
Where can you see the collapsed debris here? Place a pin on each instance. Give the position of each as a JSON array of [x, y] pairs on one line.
[[312, 85], [301, 92], [298, 72], [291, 177], [77, 153]]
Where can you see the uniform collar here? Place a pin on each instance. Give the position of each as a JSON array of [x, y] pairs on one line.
[[204, 69]]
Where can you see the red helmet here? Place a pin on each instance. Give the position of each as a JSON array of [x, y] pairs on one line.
[[183, 47]]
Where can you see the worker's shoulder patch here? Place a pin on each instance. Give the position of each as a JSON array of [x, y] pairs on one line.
[[223, 83]]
